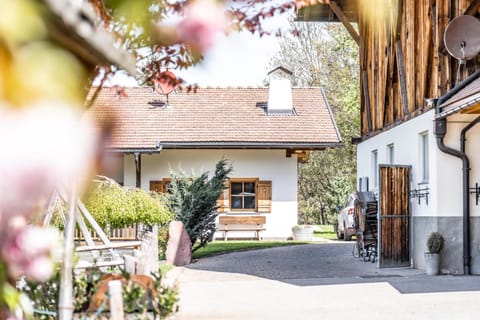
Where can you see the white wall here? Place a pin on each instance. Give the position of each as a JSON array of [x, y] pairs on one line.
[[445, 171], [450, 168], [270, 165], [407, 148]]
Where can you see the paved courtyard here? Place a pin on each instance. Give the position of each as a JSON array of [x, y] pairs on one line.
[[318, 281]]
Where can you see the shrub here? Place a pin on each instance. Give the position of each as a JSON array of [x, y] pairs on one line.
[[45, 296], [193, 201], [117, 207], [435, 242], [162, 241]]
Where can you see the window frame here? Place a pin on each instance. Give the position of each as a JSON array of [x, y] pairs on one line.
[[424, 157], [375, 168], [243, 181], [391, 153]]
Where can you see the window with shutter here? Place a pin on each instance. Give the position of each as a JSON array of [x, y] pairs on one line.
[[246, 194], [243, 194], [156, 185], [160, 186], [264, 193], [223, 203]]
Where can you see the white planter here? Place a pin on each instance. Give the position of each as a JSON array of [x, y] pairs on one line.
[[432, 263], [302, 233]]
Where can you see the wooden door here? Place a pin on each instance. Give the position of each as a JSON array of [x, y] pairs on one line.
[[394, 216]]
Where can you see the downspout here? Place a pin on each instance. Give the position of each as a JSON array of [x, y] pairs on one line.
[[440, 133]]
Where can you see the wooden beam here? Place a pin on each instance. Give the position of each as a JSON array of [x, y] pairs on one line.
[[367, 100], [401, 75], [341, 16], [472, 8]]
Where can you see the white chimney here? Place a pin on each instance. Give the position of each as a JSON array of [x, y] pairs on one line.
[[280, 96]]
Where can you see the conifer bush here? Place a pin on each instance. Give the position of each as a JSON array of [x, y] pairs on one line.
[[193, 201]]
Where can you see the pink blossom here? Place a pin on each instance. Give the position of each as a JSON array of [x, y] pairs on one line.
[[48, 145], [203, 20], [35, 240], [30, 251], [39, 269]]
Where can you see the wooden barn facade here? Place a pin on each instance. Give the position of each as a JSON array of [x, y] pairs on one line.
[[419, 111]]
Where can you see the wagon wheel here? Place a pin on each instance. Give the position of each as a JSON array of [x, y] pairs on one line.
[[359, 245]]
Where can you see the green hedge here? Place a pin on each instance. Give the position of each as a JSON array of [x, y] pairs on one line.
[[116, 206]]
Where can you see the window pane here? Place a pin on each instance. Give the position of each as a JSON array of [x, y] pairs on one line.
[[249, 202], [236, 188], [425, 157], [236, 202], [249, 187]]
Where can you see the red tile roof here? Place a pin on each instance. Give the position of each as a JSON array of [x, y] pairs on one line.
[[215, 118]]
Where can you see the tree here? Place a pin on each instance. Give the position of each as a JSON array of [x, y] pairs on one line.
[[193, 201], [325, 55]]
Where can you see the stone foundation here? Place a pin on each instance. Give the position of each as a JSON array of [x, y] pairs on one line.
[[451, 257]]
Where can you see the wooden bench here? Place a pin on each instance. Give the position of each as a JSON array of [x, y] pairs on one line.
[[241, 223]]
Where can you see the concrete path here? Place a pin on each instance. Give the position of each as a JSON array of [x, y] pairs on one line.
[[318, 281]]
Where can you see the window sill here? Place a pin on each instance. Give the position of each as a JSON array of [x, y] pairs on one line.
[[242, 212]]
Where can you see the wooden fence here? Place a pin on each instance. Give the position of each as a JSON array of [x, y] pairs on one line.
[[120, 234]]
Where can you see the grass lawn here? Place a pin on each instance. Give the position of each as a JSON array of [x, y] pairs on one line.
[[325, 232], [219, 247]]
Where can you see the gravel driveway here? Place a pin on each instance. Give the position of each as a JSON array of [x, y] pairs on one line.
[[327, 261], [318, 281]]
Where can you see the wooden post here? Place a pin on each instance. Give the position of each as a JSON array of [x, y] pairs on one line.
[[116, 302], [65, 307], [138, 169]]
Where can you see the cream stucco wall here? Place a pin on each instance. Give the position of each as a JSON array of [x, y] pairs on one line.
[[270, 165]]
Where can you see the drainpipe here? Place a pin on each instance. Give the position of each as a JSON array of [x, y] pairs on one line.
[[440, 133]]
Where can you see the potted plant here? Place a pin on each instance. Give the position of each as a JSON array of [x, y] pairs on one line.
[[432, 260], [302, 232]]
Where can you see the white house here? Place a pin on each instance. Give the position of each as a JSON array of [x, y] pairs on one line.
[[264, 135]]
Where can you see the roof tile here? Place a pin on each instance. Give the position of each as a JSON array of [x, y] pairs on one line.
[[214, 117]]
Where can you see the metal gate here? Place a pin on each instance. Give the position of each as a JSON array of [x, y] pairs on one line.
[[394, 216]]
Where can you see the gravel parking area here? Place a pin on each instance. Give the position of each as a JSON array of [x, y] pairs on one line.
[[318, 281]]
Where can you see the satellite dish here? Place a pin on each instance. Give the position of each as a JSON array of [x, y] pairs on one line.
[[462, 37], [165, 82]]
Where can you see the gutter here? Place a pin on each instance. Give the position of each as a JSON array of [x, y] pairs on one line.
[[440, 133], [156, 149], [252, 145]]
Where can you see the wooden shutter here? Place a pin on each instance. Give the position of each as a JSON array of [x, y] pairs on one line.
[[223, 202], [157, 185], [264, 194]]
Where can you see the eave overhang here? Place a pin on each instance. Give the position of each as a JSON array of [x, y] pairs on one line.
[[229, 145]]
